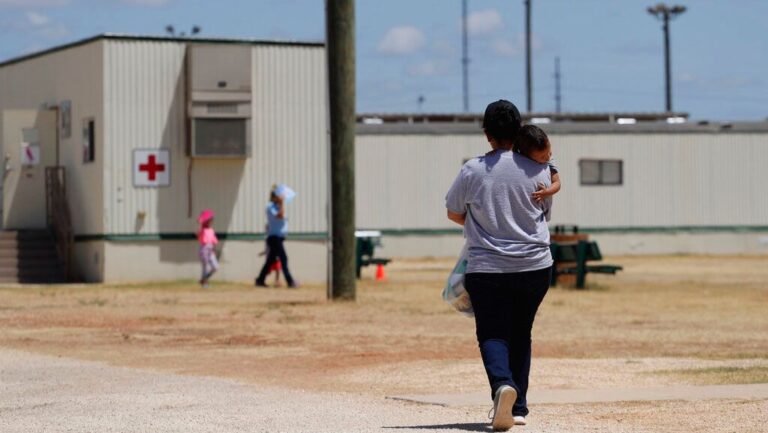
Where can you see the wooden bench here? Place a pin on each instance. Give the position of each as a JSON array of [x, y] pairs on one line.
[[366, 244], [571, 259]]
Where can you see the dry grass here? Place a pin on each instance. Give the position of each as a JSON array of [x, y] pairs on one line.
[[687, 307], [720, 375]]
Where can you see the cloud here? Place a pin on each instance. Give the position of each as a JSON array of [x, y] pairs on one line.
[[35, 24], [33, 3], [402, 40], [444, 48], [428, 68], [720, 82], [36, 19], [507, 48], [146, 2], [483, 22]]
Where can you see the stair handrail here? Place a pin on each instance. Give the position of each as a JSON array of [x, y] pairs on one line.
[[58, 216]]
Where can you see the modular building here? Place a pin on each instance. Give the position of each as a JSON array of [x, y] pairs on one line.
[[146, 132], [637, 187], [150, 131]]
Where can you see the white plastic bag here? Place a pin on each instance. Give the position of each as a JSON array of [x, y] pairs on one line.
[[454, 292], [285, 192]]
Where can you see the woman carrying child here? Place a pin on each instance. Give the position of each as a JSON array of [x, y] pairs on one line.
[[509, 263]]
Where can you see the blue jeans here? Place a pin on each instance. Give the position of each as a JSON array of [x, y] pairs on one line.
[[505, 306], [276, 251]]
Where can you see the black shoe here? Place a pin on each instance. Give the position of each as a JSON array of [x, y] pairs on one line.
[[258, 283]]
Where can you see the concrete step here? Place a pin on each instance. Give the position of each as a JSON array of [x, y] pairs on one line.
[[29, 256], [29, 261], [33, 280], [41, 254], [25, 234], [36, 245], [31, 272]]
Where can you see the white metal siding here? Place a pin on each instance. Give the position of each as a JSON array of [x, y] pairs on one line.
[[669, 180], [146, 109], [401, 180]]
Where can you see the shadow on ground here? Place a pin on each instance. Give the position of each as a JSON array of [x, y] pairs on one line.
[[471, 426]]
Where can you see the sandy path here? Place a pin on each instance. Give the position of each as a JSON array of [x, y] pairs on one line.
[[50, 394]]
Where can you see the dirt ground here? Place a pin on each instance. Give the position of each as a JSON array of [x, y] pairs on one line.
[[662, 321]]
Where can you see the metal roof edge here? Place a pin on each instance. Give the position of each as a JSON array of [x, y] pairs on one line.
[[452, 128], [125, 37]]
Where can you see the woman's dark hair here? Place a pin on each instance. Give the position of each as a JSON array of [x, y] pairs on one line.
[[501, 120], [531, 138]]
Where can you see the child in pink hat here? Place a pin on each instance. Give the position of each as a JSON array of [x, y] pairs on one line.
[[207, 239]]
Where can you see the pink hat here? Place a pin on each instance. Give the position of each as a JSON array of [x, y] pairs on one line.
[[205, 216]]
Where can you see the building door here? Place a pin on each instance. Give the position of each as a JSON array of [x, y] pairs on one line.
[[28, 144]]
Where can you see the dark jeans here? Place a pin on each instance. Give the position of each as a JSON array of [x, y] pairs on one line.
[[276, 251], [505, 306]]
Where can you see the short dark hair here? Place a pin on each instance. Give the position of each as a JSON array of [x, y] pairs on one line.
[[502, 120], [531, 138]]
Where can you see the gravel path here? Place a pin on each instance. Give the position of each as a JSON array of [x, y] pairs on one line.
[[49, 394]]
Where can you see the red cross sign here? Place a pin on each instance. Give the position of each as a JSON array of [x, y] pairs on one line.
[[151, 168]]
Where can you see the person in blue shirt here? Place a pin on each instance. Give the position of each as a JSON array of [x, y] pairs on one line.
[[277, 228]]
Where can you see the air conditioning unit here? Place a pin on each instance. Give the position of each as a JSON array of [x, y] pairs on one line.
[[219, 106]]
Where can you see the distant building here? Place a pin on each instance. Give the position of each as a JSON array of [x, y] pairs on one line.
[[653, 186], [152, 130]]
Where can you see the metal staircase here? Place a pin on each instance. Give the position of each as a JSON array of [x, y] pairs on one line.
[[29, 256]]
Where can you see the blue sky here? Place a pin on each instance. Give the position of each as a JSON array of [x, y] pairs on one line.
[[610, 50]]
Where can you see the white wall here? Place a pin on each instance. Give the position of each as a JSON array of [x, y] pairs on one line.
[[145, 108], [240, 261], [670, 180]]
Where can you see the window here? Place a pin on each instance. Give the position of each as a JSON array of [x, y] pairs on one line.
[[89, 140], [601, 171]]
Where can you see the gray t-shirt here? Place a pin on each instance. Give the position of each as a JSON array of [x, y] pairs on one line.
[[505, 230]]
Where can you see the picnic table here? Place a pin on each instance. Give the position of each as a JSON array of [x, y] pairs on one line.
[[367, 241], [571, 258]]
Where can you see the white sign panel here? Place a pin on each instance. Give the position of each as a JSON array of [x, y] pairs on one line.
[[151, 168], [30, 147], [30, 154]]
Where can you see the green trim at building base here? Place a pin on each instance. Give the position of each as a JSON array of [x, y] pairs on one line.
[[149, 237], [322, 236]]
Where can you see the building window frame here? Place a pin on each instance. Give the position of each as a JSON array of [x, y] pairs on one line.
[[89, 140], [596, 172]]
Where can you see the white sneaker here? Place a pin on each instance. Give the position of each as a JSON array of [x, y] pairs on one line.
[[519, 420], [502, 408]]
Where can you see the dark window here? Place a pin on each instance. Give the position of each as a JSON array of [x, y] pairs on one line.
[[601, 171], [89, 140], [220, 137]]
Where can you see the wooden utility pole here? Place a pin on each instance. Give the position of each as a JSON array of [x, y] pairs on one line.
[[340, 40]]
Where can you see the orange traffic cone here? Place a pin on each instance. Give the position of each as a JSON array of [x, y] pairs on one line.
[[380, 272]]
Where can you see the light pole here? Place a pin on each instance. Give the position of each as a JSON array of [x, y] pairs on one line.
[[172, 31], [665, 14], [528, 77], [465, 54]]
